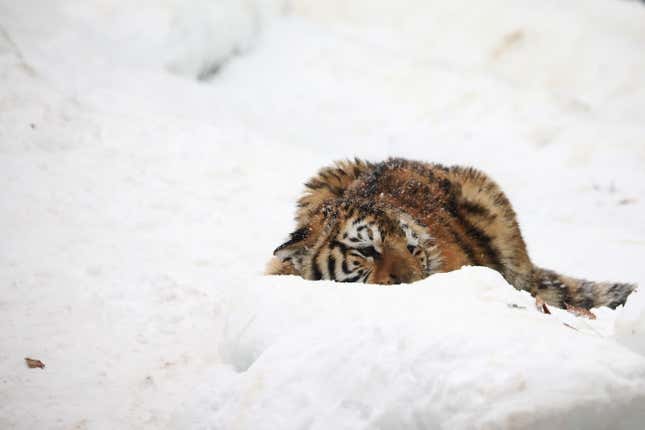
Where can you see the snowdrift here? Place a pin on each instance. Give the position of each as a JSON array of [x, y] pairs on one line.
[[457, 350]]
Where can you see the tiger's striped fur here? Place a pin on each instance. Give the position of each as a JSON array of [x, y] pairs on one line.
[[399, 221]]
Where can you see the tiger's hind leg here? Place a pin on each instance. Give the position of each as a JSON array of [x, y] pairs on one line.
[[487, 208]]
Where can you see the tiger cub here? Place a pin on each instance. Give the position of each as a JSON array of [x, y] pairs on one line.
[[399, 221]]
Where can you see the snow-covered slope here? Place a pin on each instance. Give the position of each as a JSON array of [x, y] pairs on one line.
[[140, 204]]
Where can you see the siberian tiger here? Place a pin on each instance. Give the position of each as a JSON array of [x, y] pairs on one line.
[[399, 221]]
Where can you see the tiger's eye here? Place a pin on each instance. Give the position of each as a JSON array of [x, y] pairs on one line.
[[369, 251], [411, 248]]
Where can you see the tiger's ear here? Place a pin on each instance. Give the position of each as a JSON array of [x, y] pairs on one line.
[[293, 249]]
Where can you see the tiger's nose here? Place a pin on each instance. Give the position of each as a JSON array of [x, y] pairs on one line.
[[401, 275], [397, 266]]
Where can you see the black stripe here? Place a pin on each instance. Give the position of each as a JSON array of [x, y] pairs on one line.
[[475, 208], [482, 240], [466, 248], [335, 175], [446, 185], [344, 267], [334, 190], [317, 184], [451, 207], [331, 267], [369, 251], [365, 275], [565, 293], [317, 274], [297, 236], [484, 243], [337, 244]]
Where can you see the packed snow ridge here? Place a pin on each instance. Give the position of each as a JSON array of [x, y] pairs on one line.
[[457, 350]]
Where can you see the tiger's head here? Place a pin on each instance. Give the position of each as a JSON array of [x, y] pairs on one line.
[[352, 242]]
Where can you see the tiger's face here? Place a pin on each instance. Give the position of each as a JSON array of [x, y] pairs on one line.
[[381, 247]]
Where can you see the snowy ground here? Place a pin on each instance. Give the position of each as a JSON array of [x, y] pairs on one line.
[[150, 158]]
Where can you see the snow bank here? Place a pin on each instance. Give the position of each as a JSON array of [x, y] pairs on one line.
[[205, 34], [457, 350], [191, 38]]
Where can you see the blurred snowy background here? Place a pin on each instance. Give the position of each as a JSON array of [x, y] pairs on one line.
[[151, 154]]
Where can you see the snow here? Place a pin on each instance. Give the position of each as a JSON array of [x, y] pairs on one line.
[[332, 356], [151, 156]]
